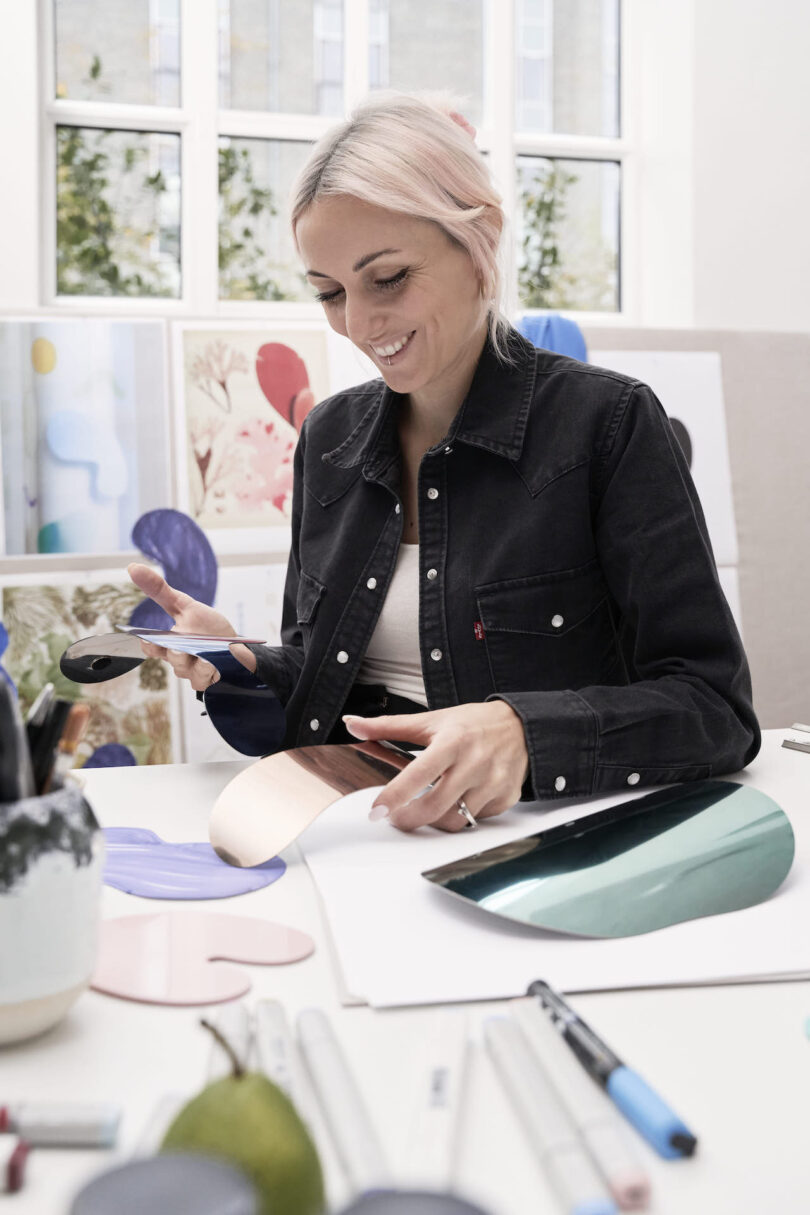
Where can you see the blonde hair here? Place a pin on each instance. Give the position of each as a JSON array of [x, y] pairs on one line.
[[404, 152]]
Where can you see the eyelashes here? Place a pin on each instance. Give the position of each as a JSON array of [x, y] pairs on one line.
[[384, 284]]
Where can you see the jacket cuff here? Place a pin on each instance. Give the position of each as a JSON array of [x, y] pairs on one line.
[[273, 669], [562, 739]]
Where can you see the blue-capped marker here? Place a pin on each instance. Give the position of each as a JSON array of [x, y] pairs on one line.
[[641, 1106]]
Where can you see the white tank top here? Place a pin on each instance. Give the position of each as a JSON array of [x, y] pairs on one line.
[[393, 657]]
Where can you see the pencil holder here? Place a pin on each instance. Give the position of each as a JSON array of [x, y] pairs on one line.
[[51, 860]]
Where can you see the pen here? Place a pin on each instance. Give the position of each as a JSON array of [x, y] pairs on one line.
[[36, 714], [75, 725], [354, 1136], [431, 1145], [16, 774], [640, 1104], [594, 1115], [570, 1169], [277, 1056], [43, 1124]]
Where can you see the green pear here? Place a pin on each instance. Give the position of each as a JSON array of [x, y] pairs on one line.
[[246, 1119]]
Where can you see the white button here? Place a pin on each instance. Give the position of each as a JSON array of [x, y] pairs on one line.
[[559, 784], [633, 778], [342, 656], [432, 574], [432, 493], [372, 582], [558, 621], [435, 655], [314, 724], [396, 509]]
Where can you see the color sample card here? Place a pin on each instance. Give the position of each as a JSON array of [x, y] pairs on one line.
[[83, 433]]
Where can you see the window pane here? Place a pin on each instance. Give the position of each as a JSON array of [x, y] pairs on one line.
[[284, 55], [117, 212], [257, 258], [578, 42], [429, 44], [568, 234], [118, 50]]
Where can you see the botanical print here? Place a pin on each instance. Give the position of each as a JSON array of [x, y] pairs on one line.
[[246, 393], [83, 440], [42, 620]]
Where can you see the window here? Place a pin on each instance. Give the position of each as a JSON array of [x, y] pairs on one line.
[[174, 129]]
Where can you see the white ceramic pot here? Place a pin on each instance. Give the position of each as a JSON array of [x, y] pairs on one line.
[[51, 860]]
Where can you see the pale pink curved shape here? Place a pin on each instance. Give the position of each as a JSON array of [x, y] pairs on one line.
[[171, 957]]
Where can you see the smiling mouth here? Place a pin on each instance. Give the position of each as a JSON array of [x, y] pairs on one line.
[[390, 352]]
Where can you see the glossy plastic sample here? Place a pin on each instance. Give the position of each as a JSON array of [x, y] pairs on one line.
[[683, 852]]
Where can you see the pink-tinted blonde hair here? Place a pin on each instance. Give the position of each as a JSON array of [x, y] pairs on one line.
[[404, 152]]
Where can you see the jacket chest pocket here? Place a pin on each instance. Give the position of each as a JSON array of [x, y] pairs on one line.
[[550, 631], [310, 593]]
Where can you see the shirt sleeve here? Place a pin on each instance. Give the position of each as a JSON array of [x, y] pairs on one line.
[[686, 712]]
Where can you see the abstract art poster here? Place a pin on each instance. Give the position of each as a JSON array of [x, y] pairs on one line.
[[83, 432], [245, 391], [43, 614]]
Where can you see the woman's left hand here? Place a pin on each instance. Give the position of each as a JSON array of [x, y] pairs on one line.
[[474, 752]]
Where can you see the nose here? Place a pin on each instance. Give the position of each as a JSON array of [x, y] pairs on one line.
[[363, 318]]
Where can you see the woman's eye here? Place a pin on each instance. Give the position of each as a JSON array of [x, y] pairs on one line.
[[326, 297], [392, 282]]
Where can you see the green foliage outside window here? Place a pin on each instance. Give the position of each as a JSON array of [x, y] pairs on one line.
[[544, 282], [242, 206]]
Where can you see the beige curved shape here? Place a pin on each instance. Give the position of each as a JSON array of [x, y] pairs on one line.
[[267, 806]]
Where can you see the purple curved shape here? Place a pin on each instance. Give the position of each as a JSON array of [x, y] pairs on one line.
[[3, 646], [111, 755], [139, 862], [180, 546]]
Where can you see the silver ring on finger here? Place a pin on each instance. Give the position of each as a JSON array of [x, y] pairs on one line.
[[465, 812]]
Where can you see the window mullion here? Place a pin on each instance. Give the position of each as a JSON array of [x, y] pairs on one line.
[[355, 52], [199, 230], [500, 109]]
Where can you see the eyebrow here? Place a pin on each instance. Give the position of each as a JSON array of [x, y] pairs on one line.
[[364, 261]]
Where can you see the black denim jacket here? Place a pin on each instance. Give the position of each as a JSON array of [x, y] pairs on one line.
[[565, 568]]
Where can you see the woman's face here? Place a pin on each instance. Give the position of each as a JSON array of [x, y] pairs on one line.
[[399, 289]]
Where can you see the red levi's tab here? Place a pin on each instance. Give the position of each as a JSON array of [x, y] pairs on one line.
[[478, 629]]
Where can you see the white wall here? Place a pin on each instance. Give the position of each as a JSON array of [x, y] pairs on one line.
[[751, 141]]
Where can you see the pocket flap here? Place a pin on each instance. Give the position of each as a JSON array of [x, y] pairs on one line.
[[310, 593], [549, 604]]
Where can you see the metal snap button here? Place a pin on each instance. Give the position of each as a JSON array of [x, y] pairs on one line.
[[436, 655], [432, 574], [396, 509], [558, 621], [432, 493], [342, 656], [371, 584], [314, 724], [559, 784], [633, 778]]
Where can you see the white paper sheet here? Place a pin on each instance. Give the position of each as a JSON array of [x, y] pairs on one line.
[[402, 941]]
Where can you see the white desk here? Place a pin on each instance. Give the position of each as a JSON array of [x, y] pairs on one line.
[[734, 1061]]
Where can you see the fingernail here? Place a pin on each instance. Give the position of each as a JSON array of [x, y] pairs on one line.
[[377, 812]]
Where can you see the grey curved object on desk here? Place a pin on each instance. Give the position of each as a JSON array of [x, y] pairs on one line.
[[680, 853], [246, 713]]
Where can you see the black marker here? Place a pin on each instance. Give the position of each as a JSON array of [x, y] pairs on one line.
[[651, 1116]]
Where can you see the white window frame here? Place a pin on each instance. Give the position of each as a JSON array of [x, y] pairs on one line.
[[200, 122]]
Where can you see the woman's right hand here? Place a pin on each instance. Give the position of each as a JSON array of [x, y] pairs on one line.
[[190, 616]]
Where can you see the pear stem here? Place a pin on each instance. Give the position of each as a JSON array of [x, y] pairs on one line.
[[238, 1069]]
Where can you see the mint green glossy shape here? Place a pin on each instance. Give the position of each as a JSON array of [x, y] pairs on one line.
[[678, 854]]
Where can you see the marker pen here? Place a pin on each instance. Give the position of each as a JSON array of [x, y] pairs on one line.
[[640, 1104], [43, 1124], [13, 1155]]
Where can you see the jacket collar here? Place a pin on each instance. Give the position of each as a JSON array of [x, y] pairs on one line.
[[493, 415]]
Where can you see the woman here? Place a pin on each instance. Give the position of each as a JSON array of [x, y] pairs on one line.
[[497, 553]]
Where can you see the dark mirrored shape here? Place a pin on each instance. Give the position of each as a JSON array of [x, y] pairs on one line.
[[684, 852]]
